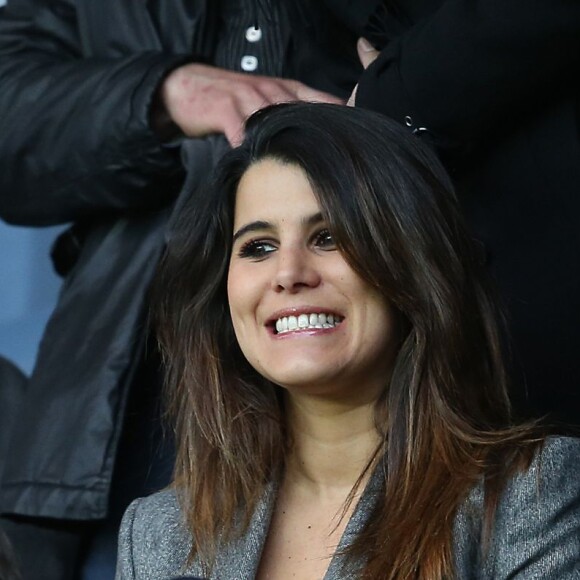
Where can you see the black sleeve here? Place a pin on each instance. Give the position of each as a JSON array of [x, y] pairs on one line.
[[356, 16], [475, 65], [75, 131]]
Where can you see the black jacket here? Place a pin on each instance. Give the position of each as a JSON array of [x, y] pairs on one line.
[[78, 78], [495, 86]]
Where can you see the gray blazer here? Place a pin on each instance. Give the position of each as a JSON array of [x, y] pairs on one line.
[[536, 531]]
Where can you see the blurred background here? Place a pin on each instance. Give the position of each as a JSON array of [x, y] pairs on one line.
[[28, 290]]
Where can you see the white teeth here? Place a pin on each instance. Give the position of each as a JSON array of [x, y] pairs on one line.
[[307, 321]]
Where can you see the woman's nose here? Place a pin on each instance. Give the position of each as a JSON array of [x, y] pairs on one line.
[[295, 270]]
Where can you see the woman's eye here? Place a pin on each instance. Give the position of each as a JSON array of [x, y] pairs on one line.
[[256, 249], [323, 239]]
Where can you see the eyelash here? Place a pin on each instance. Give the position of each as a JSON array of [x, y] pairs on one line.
[[256, 249]]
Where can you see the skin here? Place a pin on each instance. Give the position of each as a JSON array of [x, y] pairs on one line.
[[284, 260], [201, 99], [367, 55]]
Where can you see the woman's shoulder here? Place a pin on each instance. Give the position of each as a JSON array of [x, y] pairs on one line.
[[557, 453], [536, 529], [552, 477], [153, 540], [157, 513]]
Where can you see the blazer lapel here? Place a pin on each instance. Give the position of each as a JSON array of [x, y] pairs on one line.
[[239, 560], [339, 568]]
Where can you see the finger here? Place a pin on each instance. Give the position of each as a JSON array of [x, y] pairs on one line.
[[251, 97], [298, 91], [366, 52], [320, 97], [259, 92], [305, 93], [352, 98], [235, 137], [274, 91], [231, 124]]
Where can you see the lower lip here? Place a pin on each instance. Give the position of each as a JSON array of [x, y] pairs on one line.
[[305, 332]]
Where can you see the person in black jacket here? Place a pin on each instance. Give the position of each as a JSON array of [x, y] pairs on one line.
[[492, 86], [97, 101]]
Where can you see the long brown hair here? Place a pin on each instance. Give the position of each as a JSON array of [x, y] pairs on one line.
[[444, 414]]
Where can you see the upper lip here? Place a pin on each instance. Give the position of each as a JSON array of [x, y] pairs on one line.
[[298, 310]]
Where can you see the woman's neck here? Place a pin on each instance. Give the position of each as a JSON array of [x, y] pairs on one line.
[[333, 443]]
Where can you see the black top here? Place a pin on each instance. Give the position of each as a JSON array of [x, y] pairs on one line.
[[251, 37]]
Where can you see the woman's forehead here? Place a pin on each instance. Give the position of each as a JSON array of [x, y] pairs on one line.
[[274, 191]]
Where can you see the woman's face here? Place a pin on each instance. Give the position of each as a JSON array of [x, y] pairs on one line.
[[303, 318]]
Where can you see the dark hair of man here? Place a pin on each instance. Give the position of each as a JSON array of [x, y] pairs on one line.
[[444, 414]]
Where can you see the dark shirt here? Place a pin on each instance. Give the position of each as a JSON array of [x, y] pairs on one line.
[[251, 37]]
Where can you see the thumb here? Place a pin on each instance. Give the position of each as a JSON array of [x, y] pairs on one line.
[[366, 52]]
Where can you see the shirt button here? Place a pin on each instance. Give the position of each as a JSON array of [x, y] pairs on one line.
[[253, 34], [249, 63]]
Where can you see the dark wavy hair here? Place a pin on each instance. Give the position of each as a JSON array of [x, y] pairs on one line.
[[444, 414]]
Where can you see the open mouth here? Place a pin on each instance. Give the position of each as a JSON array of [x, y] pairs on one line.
[[306, 322]]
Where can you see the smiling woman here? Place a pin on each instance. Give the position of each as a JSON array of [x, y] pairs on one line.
[[334, 370]]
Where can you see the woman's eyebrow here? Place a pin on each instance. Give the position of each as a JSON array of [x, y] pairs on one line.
[[260, 225], [252, 227], [314, 219]]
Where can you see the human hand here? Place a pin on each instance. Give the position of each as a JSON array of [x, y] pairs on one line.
[[202, 99], [367, 54]]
